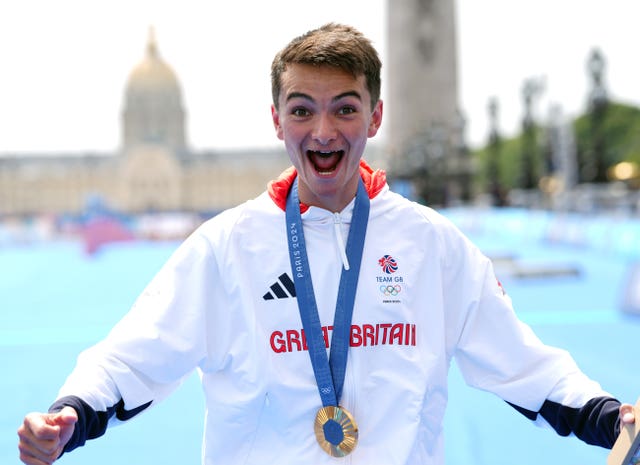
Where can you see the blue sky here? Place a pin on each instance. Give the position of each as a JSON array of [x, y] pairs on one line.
[[64, 64]]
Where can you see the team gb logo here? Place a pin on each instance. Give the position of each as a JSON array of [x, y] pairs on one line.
[[388, 264]]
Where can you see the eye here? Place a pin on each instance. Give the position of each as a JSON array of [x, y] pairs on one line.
[[347, 110], [300, 112]]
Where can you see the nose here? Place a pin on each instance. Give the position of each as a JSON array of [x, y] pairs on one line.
[[324, 130]]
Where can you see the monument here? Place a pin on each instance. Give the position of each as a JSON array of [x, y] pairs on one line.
[[425, 127]]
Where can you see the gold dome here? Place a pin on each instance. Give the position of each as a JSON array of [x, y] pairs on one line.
[[152, 73]]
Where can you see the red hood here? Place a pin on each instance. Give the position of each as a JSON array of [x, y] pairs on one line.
[[278, 189]]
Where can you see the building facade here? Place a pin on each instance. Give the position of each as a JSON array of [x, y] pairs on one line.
[[153, 171]]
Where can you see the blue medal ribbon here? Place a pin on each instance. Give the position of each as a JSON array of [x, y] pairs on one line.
[[329, 372]]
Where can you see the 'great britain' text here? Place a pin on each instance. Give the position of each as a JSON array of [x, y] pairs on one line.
[[293, 340]]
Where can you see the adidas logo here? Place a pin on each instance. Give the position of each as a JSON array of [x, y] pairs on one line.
[[280, 288]]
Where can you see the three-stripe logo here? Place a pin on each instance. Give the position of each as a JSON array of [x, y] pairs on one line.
[[283, 288]]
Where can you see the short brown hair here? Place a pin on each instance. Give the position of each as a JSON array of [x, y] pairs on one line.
[[334, 45]]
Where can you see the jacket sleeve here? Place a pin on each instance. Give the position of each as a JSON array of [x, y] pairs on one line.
[[91, 424], [147, 354], [595, 422], [498, 353]]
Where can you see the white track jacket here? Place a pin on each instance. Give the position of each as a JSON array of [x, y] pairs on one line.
[[224, 304]]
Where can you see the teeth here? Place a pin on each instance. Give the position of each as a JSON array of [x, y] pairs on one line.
[[325, 161]]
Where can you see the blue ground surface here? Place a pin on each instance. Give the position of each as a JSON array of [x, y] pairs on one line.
[[55, 301]]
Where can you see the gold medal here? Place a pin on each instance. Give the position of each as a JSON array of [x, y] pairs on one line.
[[336, 431]]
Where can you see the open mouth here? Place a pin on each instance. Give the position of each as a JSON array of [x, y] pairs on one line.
[[325, 162]]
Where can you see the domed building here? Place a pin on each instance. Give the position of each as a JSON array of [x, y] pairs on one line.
[[153, 171], [154, 112]]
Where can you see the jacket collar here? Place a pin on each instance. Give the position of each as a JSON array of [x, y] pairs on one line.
[[278, 189]]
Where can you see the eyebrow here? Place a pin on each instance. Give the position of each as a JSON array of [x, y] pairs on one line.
[[350, 93]]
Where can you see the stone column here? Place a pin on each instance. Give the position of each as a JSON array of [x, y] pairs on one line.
[[421, 70]]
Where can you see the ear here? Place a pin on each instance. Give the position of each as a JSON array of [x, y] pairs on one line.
[[376, 119], [275, 116]]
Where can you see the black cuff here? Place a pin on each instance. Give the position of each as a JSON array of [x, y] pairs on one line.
[[91, 424]]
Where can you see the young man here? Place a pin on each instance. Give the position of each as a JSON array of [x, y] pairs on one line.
[[256, 295]]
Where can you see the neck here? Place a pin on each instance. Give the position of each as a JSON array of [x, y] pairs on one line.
[[278, 189], [334, 202]]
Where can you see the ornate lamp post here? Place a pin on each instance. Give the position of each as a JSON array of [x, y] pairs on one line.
[[594, 167], [529, 175], [493, 156]]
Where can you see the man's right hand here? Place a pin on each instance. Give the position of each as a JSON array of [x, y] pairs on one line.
[[42, 436]]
